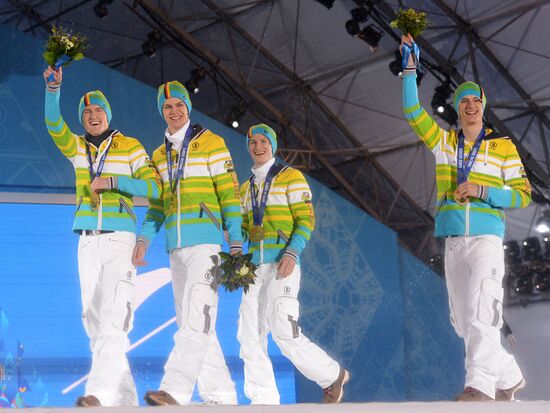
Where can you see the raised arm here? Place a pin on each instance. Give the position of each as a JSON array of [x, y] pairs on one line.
[[65, 140]]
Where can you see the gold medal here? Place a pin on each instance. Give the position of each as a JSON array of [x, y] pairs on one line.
[[257, 233], [460, 201]]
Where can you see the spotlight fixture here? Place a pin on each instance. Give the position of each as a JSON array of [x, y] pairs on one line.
[[395, 64], [543, 223], [511, 252], [327, 3], [542, 281], [150, 46], [531, 248], [100, 9], [196, 76], [437, 264], [524, 285], [441, 107], [235, 115], [371, 35], [358, 15]]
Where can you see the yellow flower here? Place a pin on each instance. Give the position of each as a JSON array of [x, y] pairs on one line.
[[243, 270]]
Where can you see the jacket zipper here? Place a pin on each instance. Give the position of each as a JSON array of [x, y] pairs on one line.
[[124, 205], [206, 210], [281, 236], [79, 203]]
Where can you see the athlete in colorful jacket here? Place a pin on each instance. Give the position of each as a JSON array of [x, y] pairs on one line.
[[478, 173], [110, 168], [200, 198], [278, 219], [288, 218], [127, 168]]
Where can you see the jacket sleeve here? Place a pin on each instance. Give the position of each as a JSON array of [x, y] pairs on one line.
[[425, 127], [517, 193], [65, 140], [226, 186], [145, 180], [245, 228], [299, 200], [154, 217]]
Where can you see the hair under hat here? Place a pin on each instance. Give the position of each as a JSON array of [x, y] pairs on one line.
[[266, 131], [173, 89], [95, 97], [467, 89]]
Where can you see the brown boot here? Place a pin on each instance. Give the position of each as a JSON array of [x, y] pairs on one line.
[[87, 401], [507, 395], [472, 395], [335, 392], [159, 398]]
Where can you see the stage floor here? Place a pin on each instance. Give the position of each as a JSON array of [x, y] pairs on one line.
[[408, 407]]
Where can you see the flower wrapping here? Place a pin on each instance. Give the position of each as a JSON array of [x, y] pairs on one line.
[[63, 47], [237, 271]]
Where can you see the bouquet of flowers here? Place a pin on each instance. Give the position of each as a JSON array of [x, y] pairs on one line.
[[63, 47], [410, 21], [237, 271]]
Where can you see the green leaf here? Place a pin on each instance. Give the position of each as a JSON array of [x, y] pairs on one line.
[[78, 56], [49, 57]]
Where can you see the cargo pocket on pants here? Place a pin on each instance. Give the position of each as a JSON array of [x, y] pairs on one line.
[[287, 312], [123, 314], [490, 303], [203, 302]]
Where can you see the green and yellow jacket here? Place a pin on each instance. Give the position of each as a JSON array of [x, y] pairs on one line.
[[205, 201], [497, 168], [126, 161]]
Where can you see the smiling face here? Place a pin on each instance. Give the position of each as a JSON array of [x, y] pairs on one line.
[[94, 120], [260, 149], [470, 111], [175, 114]]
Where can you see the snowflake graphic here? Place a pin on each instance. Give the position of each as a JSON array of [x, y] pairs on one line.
[[339, 289]]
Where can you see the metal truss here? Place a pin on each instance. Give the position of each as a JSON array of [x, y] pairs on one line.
[[312, 136], [477, 48]]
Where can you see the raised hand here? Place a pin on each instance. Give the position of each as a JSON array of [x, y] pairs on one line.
[[58, 77]]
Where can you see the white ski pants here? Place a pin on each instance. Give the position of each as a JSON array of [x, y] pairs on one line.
[[271, 304], [107, 289], [197, 355], [474, 269]]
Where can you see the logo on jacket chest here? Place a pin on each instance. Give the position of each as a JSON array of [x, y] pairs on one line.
[[195, 146]]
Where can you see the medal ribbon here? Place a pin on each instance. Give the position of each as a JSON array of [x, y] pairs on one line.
[[258, 210], [406, 52], [99, 170], [181, 160], [463, 170]]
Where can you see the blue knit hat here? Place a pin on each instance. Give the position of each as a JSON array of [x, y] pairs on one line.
[[173, 89], [265, 130], [95, 97], [467, 89]]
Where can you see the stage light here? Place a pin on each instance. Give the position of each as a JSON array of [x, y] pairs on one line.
[[101, 10], [542, 281], [395, 64], [150, 46], [437, 264], [327, 3], [235, 115], [440, 105], [531, 248], [358, 15], [511, 252], [197, 75], [543, 223], [371, 35], [524, 285]]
